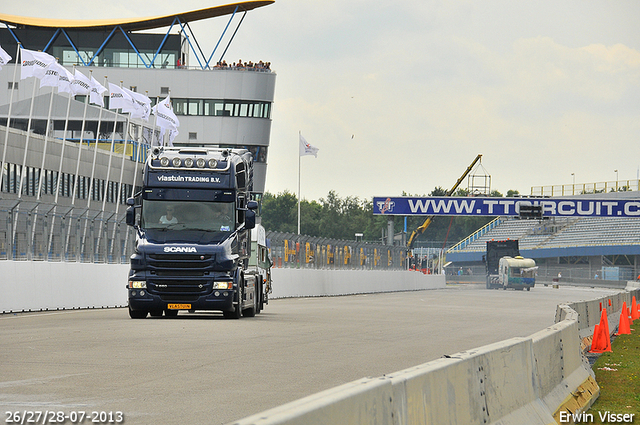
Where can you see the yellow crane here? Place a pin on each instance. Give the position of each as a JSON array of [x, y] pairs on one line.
[[420, 230]]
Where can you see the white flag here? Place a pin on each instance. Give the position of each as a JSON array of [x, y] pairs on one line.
[[57, 76], [80, 84], [34, 63], [4, 57], [64, 79], [165, 117], [51, 75], [172, 136], [141, 105], [97, 92], [119, 99], [306, 148]]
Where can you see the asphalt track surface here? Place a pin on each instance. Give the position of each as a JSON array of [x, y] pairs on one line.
[[201, 368]]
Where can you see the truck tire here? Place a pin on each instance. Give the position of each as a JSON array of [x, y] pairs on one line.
[[251, 312], [260, 300], [137, 314], [237, 311]]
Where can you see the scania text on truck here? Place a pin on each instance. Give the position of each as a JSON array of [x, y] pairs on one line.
[[193, 220]]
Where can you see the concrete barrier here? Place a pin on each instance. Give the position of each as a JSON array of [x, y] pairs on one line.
[[540, 380], [315, 283], [42, 285]]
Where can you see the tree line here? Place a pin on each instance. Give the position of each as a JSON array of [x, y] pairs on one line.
[[341, 218]]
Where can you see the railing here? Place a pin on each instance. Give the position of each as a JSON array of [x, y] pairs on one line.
[[36, 231], [476, 235], [31, 231], [586, 188], [299, 251]]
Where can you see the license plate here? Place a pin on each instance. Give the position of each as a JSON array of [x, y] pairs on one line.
[[179, 307]]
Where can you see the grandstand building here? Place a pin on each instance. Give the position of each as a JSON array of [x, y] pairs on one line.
[[68, 166], [578, 247]]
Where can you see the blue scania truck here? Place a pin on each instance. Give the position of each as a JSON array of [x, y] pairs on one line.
[[193, 220]]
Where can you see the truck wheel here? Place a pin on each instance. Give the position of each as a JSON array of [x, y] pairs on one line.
[[260, 301], [251, 312], [137, 314], [237, 311]]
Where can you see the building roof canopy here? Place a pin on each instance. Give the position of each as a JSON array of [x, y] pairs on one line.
[[134, 24]]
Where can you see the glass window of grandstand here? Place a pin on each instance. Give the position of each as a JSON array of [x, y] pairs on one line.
[[195, 107], [70, 57], [213, 107], [226, 108], [180, 106]]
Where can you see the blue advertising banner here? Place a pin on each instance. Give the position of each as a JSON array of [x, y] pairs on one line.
[[480, 206]]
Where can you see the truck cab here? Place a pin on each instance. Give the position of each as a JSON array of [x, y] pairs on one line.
[[193, 220]]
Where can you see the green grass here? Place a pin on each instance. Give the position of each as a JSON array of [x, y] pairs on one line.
[[618, 375]]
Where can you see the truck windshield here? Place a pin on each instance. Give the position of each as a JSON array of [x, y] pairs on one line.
[[187, 215]]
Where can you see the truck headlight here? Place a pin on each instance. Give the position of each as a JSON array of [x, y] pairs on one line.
[[137, 284], [164, 161], [200, 162], [222, 285], [213, 163], [176, 162], [188, 162]]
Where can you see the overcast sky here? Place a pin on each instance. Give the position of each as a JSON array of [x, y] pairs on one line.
[[402, 96]]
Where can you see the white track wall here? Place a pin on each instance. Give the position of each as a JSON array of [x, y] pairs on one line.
[[42, 285], [317, 283]]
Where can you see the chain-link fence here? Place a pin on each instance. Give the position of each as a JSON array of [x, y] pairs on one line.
[[46, 232], [299, 251], [37, 231]]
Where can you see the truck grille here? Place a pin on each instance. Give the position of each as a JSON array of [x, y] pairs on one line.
[[180, 277], [178, 287], [180, 264]]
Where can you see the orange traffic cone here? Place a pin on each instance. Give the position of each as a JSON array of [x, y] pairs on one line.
[[634, 309], [601, 341], [623, 327], [595, 342], [604, 317]]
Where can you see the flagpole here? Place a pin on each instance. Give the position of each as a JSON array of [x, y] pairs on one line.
[[125, 135], [77, 175], [104, 199], [59, 179], [26, 143], [44, 149], [6, 133], [155, 125], [299, 134], [95, 152]]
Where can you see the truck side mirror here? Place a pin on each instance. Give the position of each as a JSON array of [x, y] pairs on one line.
[[131, 215], [249, 219], [252, 205]]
